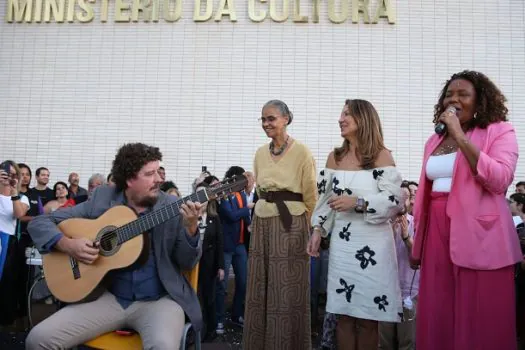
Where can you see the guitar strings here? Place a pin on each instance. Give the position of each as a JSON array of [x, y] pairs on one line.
[[227, 185], [131, 226]]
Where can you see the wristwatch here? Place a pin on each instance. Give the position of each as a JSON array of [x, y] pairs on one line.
[[15, 198], [360, 204]]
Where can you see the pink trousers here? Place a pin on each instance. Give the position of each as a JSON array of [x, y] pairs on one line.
[[460, 308]]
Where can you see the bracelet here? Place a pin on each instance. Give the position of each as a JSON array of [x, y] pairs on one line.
[[405, 238], [15, 198], [321, 230]]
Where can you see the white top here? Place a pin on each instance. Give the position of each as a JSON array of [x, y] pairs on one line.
[[7, 217], [440, 170]]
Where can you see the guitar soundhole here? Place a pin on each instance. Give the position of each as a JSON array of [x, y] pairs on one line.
[[108, 239]]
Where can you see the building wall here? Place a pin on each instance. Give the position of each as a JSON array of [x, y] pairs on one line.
[[72, 93]]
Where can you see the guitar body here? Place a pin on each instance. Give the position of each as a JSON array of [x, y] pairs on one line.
[[121, 236], [72, 281]]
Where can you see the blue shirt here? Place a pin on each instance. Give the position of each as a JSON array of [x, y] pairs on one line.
[[143, 283]]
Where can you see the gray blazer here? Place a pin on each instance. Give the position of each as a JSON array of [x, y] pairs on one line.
[[173, 251]]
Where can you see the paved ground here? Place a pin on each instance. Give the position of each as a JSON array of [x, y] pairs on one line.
[[231, 340], [12, 338]]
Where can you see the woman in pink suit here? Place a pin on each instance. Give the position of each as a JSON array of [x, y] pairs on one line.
[[466, 242]]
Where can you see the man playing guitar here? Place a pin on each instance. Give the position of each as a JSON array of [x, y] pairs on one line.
[[152, 298]]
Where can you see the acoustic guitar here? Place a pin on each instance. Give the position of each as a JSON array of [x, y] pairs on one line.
[[122, 242]]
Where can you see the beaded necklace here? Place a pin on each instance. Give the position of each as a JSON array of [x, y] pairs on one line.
[[281, 149]]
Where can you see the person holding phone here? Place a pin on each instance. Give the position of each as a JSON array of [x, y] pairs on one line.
[[12, 207], [204, 174]]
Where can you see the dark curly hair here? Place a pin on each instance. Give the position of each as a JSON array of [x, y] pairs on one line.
[[129, 160], [234, 170], [490, 101]]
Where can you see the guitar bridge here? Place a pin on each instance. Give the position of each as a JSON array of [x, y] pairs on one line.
[[74, 267]]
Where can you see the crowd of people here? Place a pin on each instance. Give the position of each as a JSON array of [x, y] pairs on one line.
[[435, 263]]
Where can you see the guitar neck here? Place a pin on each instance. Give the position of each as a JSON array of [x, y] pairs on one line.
[[157, 217]]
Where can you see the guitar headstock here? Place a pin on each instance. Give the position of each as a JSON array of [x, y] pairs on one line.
[[230, 185]]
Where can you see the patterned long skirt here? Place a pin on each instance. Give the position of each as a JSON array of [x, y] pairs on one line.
[[277, 312]]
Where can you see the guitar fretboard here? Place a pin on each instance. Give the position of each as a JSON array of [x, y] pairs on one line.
[[157, 217]]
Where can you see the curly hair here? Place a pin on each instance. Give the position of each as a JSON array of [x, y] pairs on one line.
[[490, 101], [130, 159], [234, 170]]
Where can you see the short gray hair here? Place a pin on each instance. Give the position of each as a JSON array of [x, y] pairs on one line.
[[283, 108], [95, 177]]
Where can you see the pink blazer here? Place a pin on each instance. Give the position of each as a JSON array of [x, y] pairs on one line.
[[482, 233]]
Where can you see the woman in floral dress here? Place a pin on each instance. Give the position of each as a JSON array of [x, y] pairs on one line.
[[359, 192]]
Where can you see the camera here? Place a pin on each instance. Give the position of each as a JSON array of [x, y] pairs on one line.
[[5, 166]]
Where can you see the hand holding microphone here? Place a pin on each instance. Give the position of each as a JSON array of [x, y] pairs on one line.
[[441, 127]]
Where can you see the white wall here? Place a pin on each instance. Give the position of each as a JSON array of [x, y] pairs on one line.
[[71, 93]]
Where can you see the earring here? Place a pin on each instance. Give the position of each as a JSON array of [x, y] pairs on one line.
[[475, 115]]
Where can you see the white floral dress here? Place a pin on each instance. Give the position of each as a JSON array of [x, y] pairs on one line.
[[363, 280]]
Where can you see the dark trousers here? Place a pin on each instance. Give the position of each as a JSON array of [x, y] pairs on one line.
[[239, 260], [25, 274], [9, 281], [520, 305], [206, 290]]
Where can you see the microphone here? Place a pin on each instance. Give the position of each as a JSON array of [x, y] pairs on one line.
[[441, 127]]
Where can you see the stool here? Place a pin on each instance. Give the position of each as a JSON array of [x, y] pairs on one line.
[[114, 341]]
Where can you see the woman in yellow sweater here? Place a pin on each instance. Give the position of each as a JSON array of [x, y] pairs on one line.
[[277, 312]]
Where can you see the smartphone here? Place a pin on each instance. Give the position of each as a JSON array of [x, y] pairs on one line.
[[204, 169], [5, 166]]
